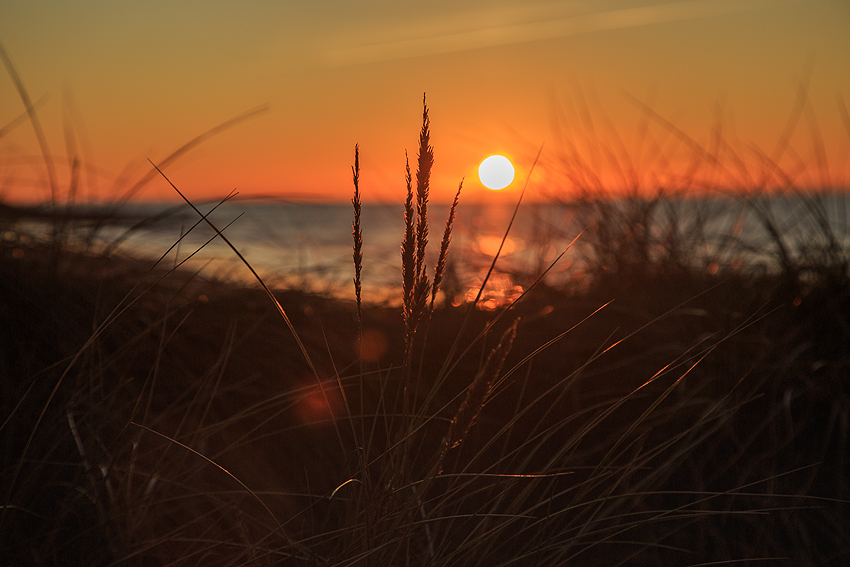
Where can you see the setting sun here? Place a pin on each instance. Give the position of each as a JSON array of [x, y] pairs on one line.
[[496, 172]]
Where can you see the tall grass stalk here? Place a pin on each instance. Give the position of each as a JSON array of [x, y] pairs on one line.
[[32, 115], [269, 293], [358, 241], [440, 269]]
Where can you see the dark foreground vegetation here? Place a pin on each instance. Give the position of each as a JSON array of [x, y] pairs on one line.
[[661, 414]]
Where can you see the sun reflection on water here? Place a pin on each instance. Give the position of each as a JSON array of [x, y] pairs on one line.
[[499, 291], [489, 245]]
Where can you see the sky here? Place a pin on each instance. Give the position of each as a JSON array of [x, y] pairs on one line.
[[609, 93]]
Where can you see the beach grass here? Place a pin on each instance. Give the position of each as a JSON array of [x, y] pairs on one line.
[[671, 407]]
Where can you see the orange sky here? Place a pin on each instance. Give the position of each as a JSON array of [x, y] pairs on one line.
[[133, 81]]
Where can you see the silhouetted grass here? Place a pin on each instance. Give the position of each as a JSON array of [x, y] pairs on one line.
[[674, 408]]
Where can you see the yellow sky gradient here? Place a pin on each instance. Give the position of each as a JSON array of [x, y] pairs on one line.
[[133, 81]]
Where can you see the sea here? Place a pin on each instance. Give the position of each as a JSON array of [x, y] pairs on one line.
[[309, 246]]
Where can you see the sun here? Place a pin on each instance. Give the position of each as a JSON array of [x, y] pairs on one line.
[[496, 172]]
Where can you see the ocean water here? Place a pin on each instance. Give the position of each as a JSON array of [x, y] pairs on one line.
[[309, 246]]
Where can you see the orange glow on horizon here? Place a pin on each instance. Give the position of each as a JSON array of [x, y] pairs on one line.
[[627, 96]]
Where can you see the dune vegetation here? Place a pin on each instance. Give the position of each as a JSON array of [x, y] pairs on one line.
[[675, 406]]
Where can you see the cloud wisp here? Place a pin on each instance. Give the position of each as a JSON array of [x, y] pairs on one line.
[[439, 44]]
